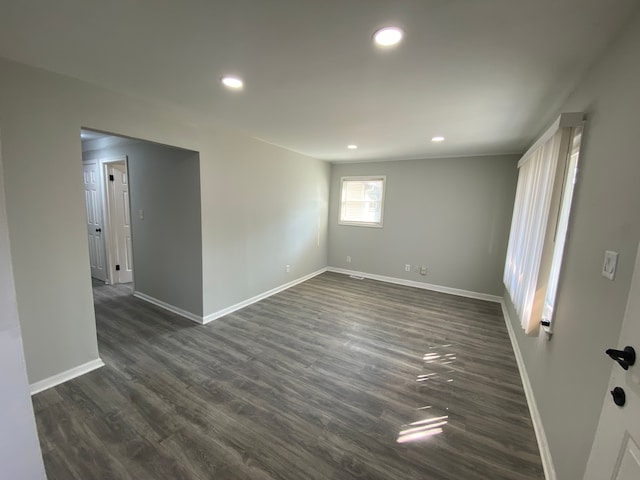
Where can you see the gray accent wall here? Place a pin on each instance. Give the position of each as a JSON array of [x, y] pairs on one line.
[[451, 215], [167, 242], [262, 207], [570, 373]]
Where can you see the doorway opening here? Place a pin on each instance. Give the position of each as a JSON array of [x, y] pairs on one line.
[[143, 211], [108, 209], [106, 192]]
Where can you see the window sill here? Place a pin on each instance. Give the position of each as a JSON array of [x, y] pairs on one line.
[[359, 224]]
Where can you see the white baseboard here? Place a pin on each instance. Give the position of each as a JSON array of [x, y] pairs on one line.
[[424, 286], [245, 303], [178, 311], [543, 445], [65, 376]]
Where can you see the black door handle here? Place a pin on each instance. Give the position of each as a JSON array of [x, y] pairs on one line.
[[98, 229], [625, 358], [619, 397]]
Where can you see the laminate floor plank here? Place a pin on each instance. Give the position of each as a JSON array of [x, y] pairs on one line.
[[335, 378]]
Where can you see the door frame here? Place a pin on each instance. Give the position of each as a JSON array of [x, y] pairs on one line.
[[109, 240]]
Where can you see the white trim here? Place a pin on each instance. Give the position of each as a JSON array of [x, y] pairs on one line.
[[424, 286], [225, 311], [65, 376], [536, 419], [413, 159], [574, 119], [168, 307], [245, 303]]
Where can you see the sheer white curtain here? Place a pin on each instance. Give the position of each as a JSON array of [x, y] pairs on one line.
[[528, 226]]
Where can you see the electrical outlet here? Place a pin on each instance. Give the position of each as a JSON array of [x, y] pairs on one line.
[[407, 268], [416, 268], [287, 268], [348, 258], [610, 264], [423, 270]]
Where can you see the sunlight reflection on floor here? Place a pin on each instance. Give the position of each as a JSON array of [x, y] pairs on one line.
[[438, 363]]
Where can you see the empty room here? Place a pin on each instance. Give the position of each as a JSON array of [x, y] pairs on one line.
[[301, 239]]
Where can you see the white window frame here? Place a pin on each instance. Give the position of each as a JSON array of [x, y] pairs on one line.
[[564, 215], [367, 178], [531, 217]]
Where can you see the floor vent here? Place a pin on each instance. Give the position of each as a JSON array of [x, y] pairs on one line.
[[356, 277]]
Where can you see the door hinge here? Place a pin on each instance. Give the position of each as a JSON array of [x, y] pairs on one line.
[[117, 267], [111, 178]]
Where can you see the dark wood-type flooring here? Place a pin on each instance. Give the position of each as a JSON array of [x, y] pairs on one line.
[[335, 378]]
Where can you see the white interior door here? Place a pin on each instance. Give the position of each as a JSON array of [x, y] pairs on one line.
[[120, 222], [615, 454], [93, 204]]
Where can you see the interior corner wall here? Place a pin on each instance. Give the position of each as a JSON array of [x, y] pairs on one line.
[[261, 207], [164, 183], [451, 215], [569, 374]]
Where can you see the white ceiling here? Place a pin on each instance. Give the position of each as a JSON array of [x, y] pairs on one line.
[[92, 140], [486, 74], [90, 135]]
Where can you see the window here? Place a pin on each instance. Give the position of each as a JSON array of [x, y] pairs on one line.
[[570, 173], [362, 201], [540, 220]]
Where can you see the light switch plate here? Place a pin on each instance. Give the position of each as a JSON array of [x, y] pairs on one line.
[[610, 264]]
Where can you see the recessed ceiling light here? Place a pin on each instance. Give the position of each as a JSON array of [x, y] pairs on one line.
[[388, 36], [234, 83], [352, 147], [437, 139]]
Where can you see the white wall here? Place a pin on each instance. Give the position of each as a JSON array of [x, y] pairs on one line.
[[164, 182], [261, 206], [451, 215], [20, 456], [569, 374]]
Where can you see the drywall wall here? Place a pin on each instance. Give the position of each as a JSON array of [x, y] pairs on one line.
[[266, 208], [260, 205], [41, 156], [569, 373], [20, 455], [164, 183], [451, 215]]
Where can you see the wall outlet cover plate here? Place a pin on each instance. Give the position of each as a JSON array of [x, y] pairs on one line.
[[610, 264]]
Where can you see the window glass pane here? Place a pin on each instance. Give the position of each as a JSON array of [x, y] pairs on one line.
[[362, 201]]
